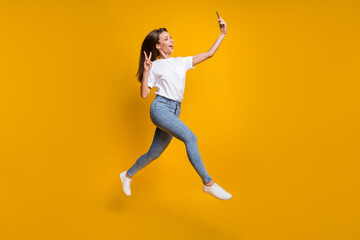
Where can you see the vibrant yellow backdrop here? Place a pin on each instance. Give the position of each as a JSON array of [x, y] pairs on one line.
[[276, 113]]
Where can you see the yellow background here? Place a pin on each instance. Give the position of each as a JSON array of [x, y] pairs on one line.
[[276, 113]]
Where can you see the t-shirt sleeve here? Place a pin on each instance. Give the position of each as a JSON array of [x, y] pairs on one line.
[[188, 63], [151, 78]]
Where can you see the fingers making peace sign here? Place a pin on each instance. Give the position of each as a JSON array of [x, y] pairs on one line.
[[147, 62]]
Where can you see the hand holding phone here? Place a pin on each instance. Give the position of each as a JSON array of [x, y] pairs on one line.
[[222, 23]]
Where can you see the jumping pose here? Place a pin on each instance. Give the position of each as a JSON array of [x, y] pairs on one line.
[[157, 68]]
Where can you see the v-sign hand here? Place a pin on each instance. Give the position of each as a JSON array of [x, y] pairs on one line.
[[147, 62]]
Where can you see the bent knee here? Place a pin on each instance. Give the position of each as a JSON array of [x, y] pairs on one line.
[[191, 138]]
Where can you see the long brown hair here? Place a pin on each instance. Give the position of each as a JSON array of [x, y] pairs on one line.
[[149, 45]]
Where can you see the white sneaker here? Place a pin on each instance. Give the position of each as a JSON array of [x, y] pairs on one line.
[[217, 191], [126, 183]]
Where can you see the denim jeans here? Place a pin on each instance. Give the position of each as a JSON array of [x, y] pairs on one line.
[[165, 114]]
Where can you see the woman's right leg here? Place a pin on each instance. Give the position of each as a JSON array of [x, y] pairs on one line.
[[160, 142]]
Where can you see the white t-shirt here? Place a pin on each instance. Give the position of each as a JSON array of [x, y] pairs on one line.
[[168, 76]]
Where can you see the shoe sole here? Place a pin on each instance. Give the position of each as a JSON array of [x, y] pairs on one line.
[[217, 197]]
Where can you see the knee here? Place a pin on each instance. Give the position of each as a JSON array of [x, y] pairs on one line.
[[191, 138]]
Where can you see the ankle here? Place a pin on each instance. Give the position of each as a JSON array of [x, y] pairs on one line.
[[127, 175], [209, 184]]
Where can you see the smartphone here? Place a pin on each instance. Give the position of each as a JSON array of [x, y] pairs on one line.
[[217, 14]]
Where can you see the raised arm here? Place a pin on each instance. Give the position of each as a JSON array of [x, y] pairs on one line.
[[206, 55]]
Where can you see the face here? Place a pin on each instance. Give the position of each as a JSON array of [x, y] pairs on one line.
[[166, 43]]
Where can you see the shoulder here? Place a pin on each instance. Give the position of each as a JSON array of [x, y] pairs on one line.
[[180, 58], [155, 63], [184, 59]]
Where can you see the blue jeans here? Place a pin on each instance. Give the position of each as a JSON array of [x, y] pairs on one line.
[[165, 114]]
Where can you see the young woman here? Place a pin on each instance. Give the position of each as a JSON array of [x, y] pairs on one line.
[[157, 68]]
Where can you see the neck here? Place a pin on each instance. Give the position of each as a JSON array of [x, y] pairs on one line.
[[166, 56]]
